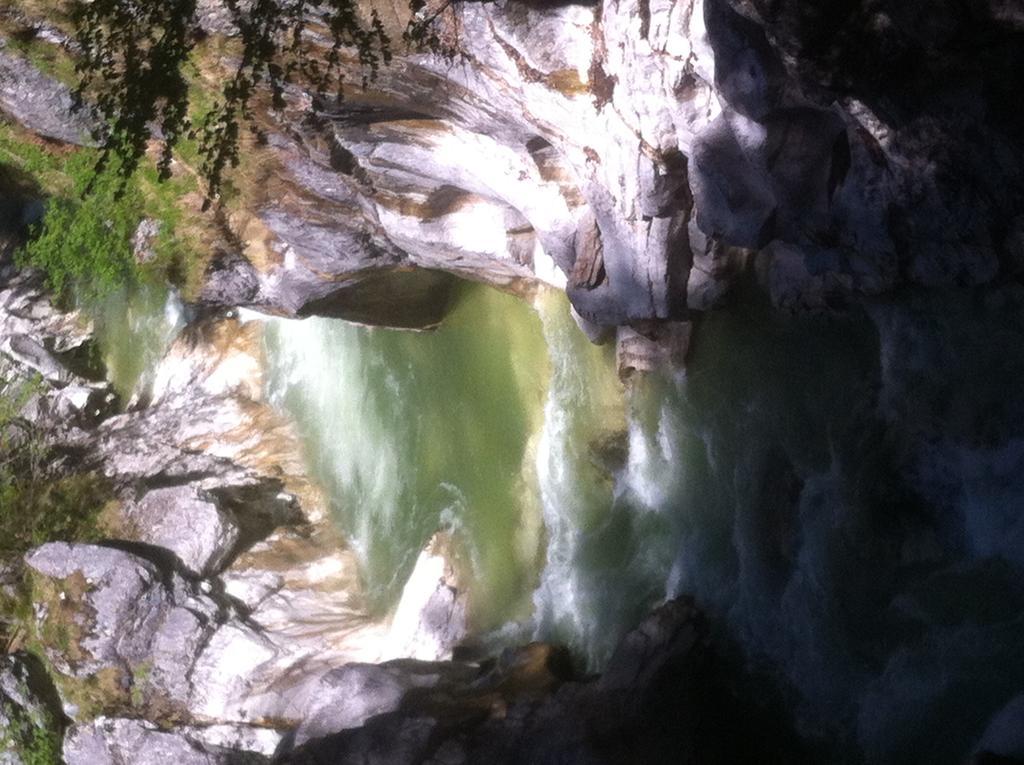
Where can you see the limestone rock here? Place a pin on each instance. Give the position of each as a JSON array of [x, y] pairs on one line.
[[144, 240], [120, 632], [430, 619], [182, 520], [40, 103], [582, 146], [347, 697], [527, 708], [30, 719], [652, 346], [110, 741]]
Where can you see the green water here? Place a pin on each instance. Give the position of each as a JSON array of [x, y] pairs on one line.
[[134, 326], [412, 432], [841, 494]]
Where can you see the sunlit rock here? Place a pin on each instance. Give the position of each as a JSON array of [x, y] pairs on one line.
[[195, 528], [40, 103], [430, 619], [109, 741]]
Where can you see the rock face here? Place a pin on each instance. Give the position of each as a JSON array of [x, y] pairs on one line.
[[221, 600], [644, 155], [430, 619], [655, 703], [108, 742], [39, 102], [641, 153]]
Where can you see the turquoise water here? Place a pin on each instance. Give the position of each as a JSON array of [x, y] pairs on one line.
[[841, 494]]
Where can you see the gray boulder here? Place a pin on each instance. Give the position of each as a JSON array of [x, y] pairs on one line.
[[40, 103], [349, 696], [185, 521], [107, 741], [120, 632]]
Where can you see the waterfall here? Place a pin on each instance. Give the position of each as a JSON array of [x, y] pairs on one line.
[[601, 568], [506, 426]]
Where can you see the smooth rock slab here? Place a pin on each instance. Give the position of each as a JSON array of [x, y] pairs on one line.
[[349, 696], [184, 521], [39, 102], [108, 741], [430, 619]]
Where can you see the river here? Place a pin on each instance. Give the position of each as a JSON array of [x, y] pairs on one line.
[[841, 494]]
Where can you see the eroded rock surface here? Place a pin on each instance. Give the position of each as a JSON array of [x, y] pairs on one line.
[[39, 102], [655, 703], [642, 154], [108, 741]]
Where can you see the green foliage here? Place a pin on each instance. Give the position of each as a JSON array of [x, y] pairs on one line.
[[85, 241], [36, 742], [135, 60], [86, 238], [27, 156], [141, 676], [35, 506]]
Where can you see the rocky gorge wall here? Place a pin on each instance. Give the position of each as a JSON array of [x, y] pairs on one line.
[[653, 151], [663, 163]]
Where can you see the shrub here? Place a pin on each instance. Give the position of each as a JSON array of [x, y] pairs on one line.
[[85, 240], [37, 506], [36, 742], [84, 243]]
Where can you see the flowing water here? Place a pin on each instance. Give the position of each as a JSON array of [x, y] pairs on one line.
[[134, 327], [842, 495], [412, 432]]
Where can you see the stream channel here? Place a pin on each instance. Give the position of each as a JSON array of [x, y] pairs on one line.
[[841, 494]]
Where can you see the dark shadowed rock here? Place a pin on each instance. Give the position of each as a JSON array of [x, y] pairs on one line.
[[654, 704]]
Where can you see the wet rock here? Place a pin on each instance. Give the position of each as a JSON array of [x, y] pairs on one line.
[[527, 708], [647, 347], [430, 619], [347, 697]]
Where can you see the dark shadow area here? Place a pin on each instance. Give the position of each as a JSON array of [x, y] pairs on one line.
[[402, 299], [20, 208]]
